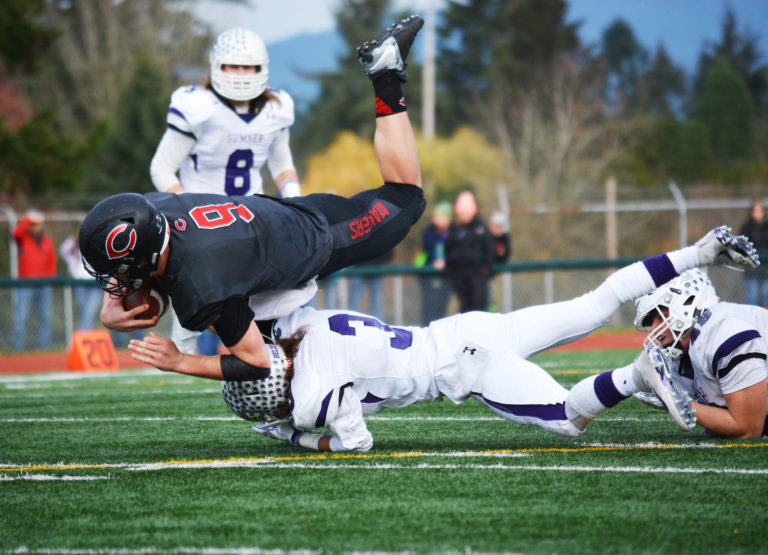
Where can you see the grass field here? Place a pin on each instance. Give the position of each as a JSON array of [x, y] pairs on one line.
[[141, 462]]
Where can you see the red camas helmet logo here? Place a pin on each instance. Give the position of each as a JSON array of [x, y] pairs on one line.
[[112, 250]]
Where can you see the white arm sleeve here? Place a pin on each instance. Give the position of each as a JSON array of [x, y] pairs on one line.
[[173, 148], [280, 157], [348, 429]]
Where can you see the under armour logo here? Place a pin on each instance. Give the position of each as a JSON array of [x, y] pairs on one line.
[[470, 350]]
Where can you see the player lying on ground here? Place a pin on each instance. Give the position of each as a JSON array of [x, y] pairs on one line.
[[716, 352], [212, 252], [340, 365]]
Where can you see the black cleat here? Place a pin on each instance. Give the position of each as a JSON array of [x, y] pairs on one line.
[[391, 50]]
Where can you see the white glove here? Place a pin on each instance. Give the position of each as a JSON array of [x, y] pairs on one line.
[[278, 430]]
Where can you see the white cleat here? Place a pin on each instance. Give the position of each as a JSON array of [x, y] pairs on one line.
[[720, 247], [652, 373]]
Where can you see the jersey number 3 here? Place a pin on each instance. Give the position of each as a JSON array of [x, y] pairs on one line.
[[399, 338]]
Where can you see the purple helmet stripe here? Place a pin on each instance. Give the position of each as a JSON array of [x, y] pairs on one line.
[[660, 268], [605, 390]]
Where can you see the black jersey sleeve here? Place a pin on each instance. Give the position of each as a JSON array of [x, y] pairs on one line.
[[233, 321]]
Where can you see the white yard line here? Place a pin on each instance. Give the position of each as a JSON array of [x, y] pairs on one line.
[[371, 461]]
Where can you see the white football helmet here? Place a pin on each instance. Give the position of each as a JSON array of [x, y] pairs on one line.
[[678, 303], [262, 400], [239, 47]]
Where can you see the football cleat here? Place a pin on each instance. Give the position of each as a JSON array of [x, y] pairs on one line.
[[391, 50], [720, 247], [652, 374]]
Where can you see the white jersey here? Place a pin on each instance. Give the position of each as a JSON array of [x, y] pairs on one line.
[[350, 364], [728, 350], [230, 148]]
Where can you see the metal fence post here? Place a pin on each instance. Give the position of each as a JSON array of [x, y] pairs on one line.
[[682, 208], [69, 324]]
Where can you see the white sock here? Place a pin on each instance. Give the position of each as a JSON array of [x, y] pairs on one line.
[[624, 380], [685, 258]]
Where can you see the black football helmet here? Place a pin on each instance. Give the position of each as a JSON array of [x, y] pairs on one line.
[[121, 240]]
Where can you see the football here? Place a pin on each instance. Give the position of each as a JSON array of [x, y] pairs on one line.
[[151, 294]]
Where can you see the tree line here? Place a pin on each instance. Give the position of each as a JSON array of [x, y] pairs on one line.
[[521, 101]]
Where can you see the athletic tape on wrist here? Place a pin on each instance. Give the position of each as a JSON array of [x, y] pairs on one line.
[[290, 188]]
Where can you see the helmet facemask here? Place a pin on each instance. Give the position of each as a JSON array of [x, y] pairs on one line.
[[244, 48]]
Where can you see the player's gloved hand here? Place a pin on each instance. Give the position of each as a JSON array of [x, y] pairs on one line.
[[281, 430]]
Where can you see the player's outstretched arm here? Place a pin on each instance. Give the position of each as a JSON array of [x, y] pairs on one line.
[[163, 354], [284, 431]]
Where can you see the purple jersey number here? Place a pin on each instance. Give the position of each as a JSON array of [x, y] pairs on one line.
[[339, 323], [237, 181]]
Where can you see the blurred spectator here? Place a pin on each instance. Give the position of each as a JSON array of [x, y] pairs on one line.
[[502, 242], [756, 228], [374, 285], [468, 254], [37, 259], [435, 290], [88, 297]]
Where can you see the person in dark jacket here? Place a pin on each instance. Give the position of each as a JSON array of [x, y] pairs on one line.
[[469, 254], [756, 228]]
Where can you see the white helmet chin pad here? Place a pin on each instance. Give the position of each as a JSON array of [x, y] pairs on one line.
[[239, 47], [678, 304]]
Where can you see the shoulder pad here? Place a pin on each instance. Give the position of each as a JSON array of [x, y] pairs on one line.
[[284, 109], [190, 106]]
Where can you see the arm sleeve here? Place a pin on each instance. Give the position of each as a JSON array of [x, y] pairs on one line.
[[348, 429], [20, 229], [280, 157], [173, 148], [234, 320]]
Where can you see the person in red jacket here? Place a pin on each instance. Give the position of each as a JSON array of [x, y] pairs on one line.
[[37, 259]]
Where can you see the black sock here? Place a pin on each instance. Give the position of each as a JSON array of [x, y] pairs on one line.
[[389, 94]]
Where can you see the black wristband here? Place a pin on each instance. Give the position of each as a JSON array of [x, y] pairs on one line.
[[235, 370]]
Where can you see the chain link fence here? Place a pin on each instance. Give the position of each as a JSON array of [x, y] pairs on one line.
[[558, 253]]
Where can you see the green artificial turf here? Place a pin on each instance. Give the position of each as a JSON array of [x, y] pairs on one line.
[[87, 466]]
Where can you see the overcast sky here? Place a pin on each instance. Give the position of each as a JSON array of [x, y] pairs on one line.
[[682, 25]]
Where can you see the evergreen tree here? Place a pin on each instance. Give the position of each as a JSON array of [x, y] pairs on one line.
[[625, 61], [725, 108], [662, 84], [741, 50], [122, 164]]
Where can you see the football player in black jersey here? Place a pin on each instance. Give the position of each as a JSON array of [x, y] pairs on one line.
[[212, 252]]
